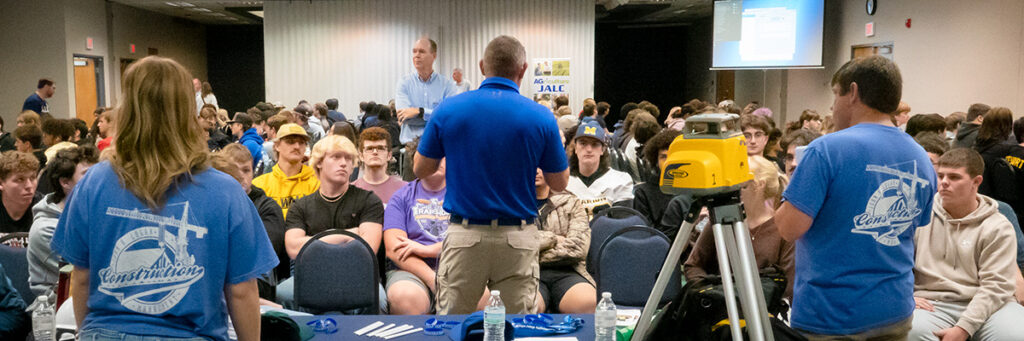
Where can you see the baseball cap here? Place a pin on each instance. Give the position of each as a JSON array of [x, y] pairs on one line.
[[290, 129], [591, 128], [242, 118], [472, 329]]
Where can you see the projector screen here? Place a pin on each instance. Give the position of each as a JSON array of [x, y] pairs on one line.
[[768, 34]]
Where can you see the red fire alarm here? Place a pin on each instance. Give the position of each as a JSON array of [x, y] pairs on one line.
[[132, 47], [869, 29], [88, 43], [908, 22]]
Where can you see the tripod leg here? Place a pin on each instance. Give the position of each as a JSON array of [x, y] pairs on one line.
[[729, 291], [672, 261], [755, 308]]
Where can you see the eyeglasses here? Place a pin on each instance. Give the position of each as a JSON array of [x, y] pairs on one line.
[[372, 149], [758, 134]]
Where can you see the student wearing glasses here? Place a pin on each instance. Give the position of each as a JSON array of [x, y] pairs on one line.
[[375, 152]]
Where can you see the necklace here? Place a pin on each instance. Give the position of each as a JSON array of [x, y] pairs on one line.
[[334, 199]]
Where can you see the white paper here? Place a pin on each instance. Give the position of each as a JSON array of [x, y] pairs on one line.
[[395, 330], [370, 327], [407, 332], [381, 330]]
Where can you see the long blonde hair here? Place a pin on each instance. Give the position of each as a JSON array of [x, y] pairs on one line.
[[159, 142], [774, 182]]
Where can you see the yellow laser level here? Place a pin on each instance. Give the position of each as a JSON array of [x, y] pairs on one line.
[[709, 157]]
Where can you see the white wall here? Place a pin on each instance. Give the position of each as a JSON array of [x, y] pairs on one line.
[[32, 46], [955, 53], [175, 38], [358, 50], [86, 19]]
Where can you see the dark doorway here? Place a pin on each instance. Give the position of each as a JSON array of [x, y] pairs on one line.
[[235, 66]]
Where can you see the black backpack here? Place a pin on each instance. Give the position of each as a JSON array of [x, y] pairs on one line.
[[699, 311]]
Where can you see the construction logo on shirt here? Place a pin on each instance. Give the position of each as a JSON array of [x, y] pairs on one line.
[[150, 268], [893, 207]]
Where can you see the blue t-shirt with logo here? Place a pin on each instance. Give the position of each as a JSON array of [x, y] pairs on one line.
[[867, 187], [162, 273], [420, 214], [494, 140]]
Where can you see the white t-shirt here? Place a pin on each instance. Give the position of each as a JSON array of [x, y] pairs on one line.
[[211, 100], [612, 187], [462, 87]]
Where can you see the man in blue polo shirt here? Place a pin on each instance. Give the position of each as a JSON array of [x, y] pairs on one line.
[[418, 93], [494, 139], [852, 208]]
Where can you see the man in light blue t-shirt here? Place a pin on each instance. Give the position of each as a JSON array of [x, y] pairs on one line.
[[852, 208]]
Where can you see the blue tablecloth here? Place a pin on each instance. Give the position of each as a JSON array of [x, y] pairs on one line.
[[348, 324]]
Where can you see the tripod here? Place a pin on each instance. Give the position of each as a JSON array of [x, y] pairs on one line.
[[735, 252]]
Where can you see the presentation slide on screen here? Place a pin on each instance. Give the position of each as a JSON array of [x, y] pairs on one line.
[[768, 33]]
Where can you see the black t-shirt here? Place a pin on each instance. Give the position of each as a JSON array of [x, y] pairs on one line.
[[9, 225], [313, 214]]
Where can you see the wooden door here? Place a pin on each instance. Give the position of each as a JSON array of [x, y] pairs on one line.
[[86, 95], [725, 85]]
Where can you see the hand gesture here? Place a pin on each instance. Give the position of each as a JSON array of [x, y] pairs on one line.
[[407, 247], [921, 303]]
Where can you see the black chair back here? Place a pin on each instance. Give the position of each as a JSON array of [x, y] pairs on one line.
[[336, 277]]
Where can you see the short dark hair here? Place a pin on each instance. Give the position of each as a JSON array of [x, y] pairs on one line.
[[63, 166], [30, 133], [809, 115], [963, 157], [602, 108], [561, 101], [1018, 130], [589, 109], [344, 128], [59, 128], [651, 108], [321, 109], [332, 104], [977, 109], [953, 120], [660, 141], [996, 127], [925, 122], [644, 127], [878, 79], [756, 122], [256, 114], [504, 57], [244, 119], [44, 82], [932, 142], [799, 137]]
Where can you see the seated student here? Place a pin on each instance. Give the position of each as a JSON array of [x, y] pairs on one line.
[[216, 139], [933, 143], [415, 224], [270, 211], [242, 128], [374, 152], [756, 130], [335, 205], [290, 178], [15, 322], [29, 139], [67, 167], [769, 247], [17, 193], [57, 136], [647, 196], [29, 117], [565, 286], [104, 130], [797, 138], [591, 178], [964, 267]]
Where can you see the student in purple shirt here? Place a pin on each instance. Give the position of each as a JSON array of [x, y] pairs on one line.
[[414, 226]]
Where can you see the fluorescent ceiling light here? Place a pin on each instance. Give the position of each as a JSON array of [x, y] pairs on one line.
[[200, 9], [257, 13]]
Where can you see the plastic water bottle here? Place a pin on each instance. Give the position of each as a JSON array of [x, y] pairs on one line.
[[605, 318], [494, 318], [42, 320]]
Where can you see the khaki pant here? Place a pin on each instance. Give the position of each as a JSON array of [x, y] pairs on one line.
[[893, 332], [499, 257]]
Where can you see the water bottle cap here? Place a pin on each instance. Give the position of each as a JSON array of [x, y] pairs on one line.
[[43, 297], [495, 293], [606, 294]]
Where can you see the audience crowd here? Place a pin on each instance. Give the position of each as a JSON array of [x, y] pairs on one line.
[[310, 168]]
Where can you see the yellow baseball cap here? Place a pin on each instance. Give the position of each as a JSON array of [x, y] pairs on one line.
[[290, 129]]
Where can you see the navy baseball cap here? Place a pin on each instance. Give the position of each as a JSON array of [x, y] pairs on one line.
[[591, 128], [472, 329]]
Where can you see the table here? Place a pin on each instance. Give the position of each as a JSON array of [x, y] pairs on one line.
[[348, 324]]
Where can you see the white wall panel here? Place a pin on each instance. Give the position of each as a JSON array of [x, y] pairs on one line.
[[357, 50]]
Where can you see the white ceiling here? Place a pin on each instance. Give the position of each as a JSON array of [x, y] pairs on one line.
[[209, 12]]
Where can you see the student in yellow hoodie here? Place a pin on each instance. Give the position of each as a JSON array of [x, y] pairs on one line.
[[290, 179], [964, 270]]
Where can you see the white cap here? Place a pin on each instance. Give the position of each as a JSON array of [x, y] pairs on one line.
[[606, 294], [495, 293]]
